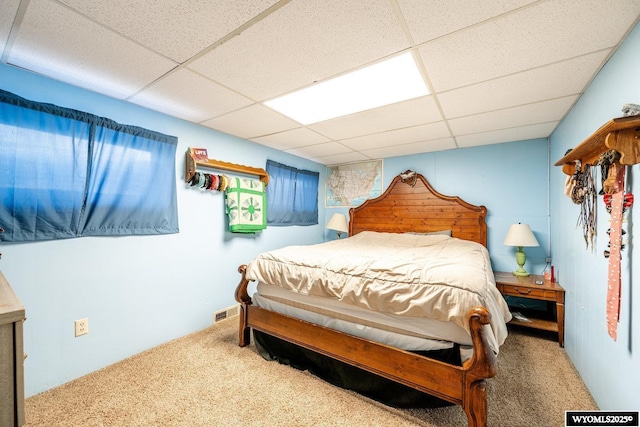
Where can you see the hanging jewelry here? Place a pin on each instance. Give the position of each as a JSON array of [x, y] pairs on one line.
[[584, 193]]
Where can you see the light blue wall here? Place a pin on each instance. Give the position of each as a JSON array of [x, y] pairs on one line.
[[610, 369], [137, 292]]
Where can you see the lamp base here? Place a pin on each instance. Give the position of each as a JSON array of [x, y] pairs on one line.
[[521, 273], [521, 259]]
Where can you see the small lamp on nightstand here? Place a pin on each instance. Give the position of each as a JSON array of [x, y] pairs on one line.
[[520, 235], [338, 223]]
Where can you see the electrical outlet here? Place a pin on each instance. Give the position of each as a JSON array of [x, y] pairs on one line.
[[82, 326], [548, 260]]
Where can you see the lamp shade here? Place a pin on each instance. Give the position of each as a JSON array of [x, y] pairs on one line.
[[520, 235], [338, 222]]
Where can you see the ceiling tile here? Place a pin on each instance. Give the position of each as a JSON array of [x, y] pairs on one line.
[[428, 20], [326, 149], [540, 112], [337, 159], [61, 44], [542, 130], [190, 96], [552, 81], [251, 122], [293, 138], [304, 42], [177, 29], [8, 10], [399, 136], [414, 148], [547, 32], [400, 115]]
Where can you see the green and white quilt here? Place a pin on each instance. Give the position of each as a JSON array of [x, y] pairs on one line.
[[246, 205]]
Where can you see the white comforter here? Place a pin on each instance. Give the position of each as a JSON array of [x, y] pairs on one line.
[[433, 276]]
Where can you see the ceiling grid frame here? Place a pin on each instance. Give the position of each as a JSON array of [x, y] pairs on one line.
[[498, 71]]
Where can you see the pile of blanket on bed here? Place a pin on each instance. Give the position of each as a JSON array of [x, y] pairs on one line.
[[432, 276]]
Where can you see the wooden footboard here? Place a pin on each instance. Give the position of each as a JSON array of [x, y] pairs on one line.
[[463, 385]]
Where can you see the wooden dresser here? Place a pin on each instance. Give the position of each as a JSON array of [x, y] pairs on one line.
[[12, 316]]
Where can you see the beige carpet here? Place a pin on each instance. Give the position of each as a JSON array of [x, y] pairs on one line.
[[205, 379]]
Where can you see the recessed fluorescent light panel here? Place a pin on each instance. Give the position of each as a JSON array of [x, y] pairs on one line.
[[394, 80]]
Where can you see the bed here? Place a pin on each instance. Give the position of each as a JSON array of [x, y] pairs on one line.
[[373, 313]]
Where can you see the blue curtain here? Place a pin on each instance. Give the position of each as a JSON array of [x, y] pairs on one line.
[[72, 174], [292, 195]]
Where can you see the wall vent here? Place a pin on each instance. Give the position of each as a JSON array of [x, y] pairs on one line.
[[226, 313]]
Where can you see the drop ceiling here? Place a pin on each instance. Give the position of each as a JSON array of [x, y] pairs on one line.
[[497, 70]]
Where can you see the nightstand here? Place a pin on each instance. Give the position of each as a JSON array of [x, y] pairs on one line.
[[526, 287]]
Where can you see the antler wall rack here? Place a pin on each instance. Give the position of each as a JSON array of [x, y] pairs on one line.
[[621, 134]]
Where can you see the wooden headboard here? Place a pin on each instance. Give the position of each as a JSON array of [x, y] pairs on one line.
[[410, 204]]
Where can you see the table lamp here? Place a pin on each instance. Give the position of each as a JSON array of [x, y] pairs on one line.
[[520, 235], [338, 223]]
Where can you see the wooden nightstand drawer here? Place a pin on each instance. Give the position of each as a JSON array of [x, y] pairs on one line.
[[527, 292]]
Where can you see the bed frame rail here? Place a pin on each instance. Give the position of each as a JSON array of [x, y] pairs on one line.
[[462, 385]]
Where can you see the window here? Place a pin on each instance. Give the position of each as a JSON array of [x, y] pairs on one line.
[[67, 174], [292, 195]]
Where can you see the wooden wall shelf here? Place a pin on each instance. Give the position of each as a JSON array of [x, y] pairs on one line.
[[621, 134], [191, 163]]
